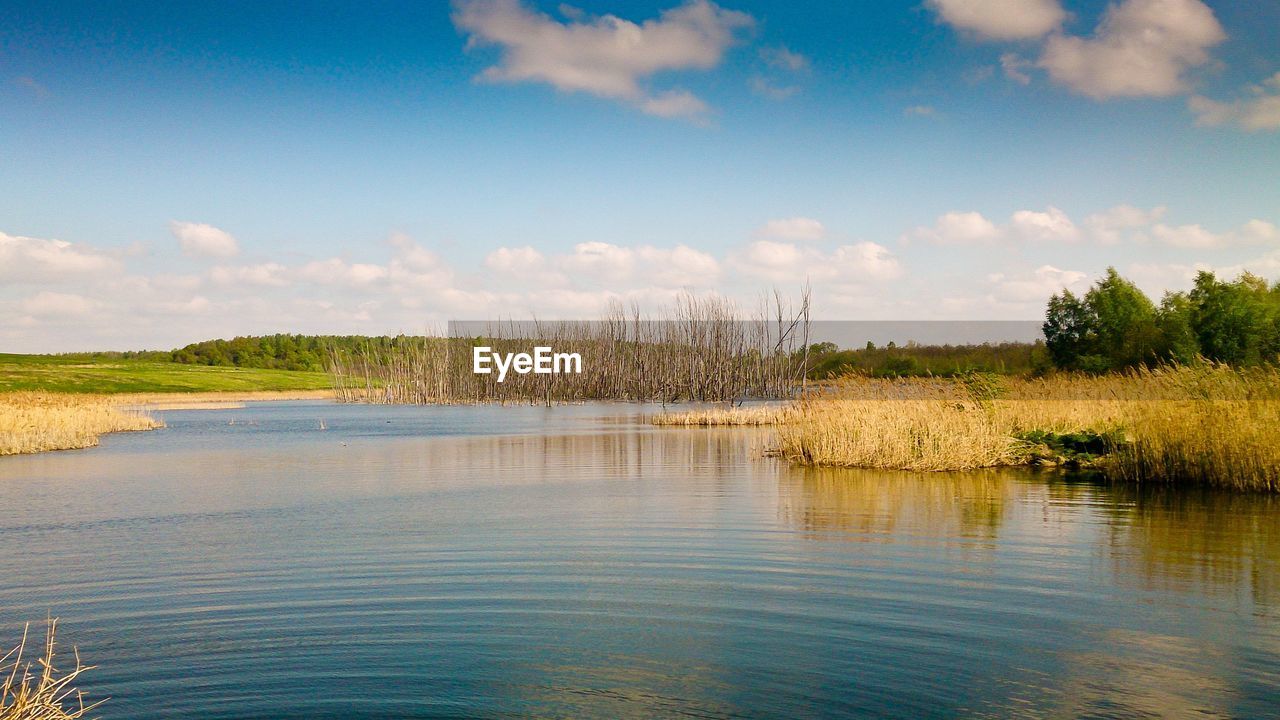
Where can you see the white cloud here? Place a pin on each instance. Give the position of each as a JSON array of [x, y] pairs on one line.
[[47, 303], [1268, 266], [336, 271], [524, 266], [616, 266], [1050, 225], [1140, 48], [793, 228], [514, 260], [607, 56], [600, 260], [1254, 232], [416, 272], [1107, 227], [866, 260], [199, 239], [678, 267], [263, 275], [959, 228], [920, 110], [36, 260], [1001, 19], [786, 262], [1259, 112], [1037, 286]]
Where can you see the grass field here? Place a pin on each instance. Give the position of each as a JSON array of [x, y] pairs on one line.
[[79, 374]]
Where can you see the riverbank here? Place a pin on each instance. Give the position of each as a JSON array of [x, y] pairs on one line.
[[1210, 425], [33, 421]]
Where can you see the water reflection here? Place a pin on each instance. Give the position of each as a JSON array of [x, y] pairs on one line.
[[1198, 541], [572, 568], [875, 504]]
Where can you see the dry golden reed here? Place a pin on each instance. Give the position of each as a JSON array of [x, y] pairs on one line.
[[37, 690], [1208, 425], [38, 421], [738, 416]]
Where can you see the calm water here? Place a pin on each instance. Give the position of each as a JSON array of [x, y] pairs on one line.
[[573, 562]]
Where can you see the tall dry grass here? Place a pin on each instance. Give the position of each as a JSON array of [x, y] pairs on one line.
[[699, 350], [1205, 425], [718, 416], [36, 689], [38, 421]]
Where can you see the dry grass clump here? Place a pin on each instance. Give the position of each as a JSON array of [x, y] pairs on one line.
[[727, 416], [37, 421], [1213, 426], [928, 428], [1210, 425], [37, 690]]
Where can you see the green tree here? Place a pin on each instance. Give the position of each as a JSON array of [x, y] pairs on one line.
[[1069, 330], [1125, 322], [1175, 321]]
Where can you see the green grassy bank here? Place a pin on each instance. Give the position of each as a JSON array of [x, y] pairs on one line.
[[88, 374]]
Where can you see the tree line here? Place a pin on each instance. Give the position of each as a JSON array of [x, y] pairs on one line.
[[272, 352], [1115, 326]]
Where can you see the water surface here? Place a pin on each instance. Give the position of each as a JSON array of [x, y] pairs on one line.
[[409, 562]]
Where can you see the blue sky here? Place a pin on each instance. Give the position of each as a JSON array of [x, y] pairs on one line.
[[170, 172]]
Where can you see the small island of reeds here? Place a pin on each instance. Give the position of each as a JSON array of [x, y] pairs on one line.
[[1207, 425]]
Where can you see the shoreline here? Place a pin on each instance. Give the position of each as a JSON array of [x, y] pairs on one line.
[[213, 400], [33, 422]]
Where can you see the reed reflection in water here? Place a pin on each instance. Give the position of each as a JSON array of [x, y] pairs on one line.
[[574, 561]]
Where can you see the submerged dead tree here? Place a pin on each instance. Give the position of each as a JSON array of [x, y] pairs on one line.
[[699, 350]]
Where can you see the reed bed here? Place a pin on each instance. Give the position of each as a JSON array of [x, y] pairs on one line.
[[755, 415], [1208, 425], [39, 421], [36, 689], [699, 350]]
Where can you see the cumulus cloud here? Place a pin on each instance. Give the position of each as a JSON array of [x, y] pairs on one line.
[[1036, 286], [524, 266], [1107, 227], [1254, 232], [793, 228], [1050, 225], [1261, 111], [787, 262], [202, 240], [336, 271], [606, 56], [36, 260], [1001, 19], [680, 266], [1140, 48], [958, 228]]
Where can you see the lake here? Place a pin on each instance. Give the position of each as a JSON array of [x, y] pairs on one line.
[[312, 560]]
